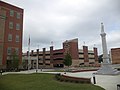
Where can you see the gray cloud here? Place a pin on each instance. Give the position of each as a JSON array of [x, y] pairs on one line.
[[58, 20]]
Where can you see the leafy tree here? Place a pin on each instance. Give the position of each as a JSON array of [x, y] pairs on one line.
[[100, 58], [67, 60], [24, 64], [15, 61]]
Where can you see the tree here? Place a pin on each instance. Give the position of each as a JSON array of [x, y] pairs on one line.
[[100, 58], [67, 60], [15, 61], [24, 64]]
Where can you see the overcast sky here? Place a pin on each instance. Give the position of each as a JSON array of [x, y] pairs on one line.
[[60, 20]]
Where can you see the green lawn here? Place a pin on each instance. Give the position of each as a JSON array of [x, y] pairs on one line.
[[40, 82]]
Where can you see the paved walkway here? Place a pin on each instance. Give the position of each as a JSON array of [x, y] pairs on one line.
[[106, 81]]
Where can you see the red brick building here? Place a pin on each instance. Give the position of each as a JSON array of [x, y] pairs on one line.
[[11, 29], [71, 47], [54, 57], [80, 56], [115, 55]]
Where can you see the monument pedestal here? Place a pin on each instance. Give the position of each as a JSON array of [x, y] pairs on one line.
[[106, 69]]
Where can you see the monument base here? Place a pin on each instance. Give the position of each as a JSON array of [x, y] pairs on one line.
[[106, 69]]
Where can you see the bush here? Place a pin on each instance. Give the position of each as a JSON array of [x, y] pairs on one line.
[[57, 76]]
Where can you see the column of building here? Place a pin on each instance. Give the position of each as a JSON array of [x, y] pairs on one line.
[[37, 61], [95, 55], [32, 61], [85, 54], [2, 26], [44, 49], [51, 56]]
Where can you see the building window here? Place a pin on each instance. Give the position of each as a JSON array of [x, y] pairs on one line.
[[18, 16], [17, 38], [17, 26], [11, 13], [9, 37], [10, 25], [9, 50], [17, 51]]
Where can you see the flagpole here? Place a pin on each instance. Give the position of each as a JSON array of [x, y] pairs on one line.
[[29, 53]]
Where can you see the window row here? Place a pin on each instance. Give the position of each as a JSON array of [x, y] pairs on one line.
[[12, 14], [10, 37], [9, 51], [11, 25]]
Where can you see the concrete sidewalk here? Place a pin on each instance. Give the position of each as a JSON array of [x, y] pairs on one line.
[[108, 82]]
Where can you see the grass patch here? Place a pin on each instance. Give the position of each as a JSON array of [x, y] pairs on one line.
[[40, 82]]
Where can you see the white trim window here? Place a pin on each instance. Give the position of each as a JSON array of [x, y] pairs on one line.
[[17, 26], [17, 38], [10, 25], [9, 50], [17, 51], [18, 15], [12, 13], [9, 37]]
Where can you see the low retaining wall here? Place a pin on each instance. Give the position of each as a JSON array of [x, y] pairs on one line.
[[72, 79]]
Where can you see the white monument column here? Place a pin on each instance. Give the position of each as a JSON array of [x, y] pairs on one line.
[[106, 66], [104, 45]]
